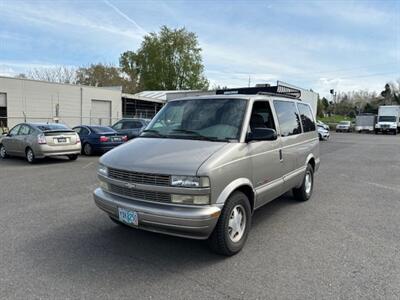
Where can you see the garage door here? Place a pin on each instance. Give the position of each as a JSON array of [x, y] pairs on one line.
[[101, 112], [3, 101]]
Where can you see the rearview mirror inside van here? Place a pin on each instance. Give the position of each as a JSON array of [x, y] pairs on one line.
[[262, 134]]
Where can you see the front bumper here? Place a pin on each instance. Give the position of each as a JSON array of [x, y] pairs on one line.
[[185, 221]]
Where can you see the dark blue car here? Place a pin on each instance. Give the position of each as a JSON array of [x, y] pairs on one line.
[[98, 139]]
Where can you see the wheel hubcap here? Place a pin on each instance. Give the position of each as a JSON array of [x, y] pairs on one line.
[[30, 155], [237, 223], [87, 149], [308, 183]]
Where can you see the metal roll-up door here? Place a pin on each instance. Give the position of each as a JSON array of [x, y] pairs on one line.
[[3, 100], [101, 112]]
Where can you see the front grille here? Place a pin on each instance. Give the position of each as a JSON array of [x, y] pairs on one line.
[[135, 177], [385, 126], [139, 194]]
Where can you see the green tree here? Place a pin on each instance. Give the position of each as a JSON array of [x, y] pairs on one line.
[[325, 104], [168, 60], [104, 75]]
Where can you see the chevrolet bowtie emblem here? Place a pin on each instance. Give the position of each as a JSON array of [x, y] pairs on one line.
[[130, 185]]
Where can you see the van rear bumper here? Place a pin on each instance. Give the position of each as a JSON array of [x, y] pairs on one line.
[[190, 222]]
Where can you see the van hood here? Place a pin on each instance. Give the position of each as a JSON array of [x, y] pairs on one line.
[[161, 156]]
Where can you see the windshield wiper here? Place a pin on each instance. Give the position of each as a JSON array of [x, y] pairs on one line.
[[198, 136], [156, 132], [187, 131]]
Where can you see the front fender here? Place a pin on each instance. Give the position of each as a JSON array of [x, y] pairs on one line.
[[227, 191]]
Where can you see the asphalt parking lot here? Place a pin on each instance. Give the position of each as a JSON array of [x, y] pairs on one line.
[[343, 243]]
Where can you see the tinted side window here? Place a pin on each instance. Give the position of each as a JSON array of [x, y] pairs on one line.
[[261, 116], [84, 131], [306, 116], [288, 117], [117, 126], [25, 130]]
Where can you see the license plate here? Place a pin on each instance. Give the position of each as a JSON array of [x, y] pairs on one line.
[[128, 216], [62, 140], [116, 139]]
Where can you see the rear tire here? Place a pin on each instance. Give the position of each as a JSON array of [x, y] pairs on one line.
[[304, 192], [231, 231], [3, 152], [30, 156], [87, 149], [73, 157]]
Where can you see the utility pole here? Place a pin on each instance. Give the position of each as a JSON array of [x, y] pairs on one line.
[[249, 81]]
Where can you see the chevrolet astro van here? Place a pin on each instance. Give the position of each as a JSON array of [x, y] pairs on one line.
[[204, 165]]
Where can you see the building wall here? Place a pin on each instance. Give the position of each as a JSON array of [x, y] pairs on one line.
[[38, 101]]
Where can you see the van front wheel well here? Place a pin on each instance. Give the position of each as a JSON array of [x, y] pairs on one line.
[[312, 163], [248, 191]]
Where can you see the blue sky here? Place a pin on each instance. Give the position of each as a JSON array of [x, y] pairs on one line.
[[346, 45]]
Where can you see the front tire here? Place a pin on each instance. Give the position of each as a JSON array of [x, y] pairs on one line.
[[231, 231], [3, 152], [30, 156], [304, 192]]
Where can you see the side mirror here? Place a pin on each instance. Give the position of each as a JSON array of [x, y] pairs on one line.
[[262, 134]]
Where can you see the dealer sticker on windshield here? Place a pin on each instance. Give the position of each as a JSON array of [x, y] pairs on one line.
[[128, 216]]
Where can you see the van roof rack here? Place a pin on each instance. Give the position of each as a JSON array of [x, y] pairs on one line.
[[278, 90]]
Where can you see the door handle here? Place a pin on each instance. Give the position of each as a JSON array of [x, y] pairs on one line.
[[280, 155]]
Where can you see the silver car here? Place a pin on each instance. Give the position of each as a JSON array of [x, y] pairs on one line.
[[204, 165], [39, 140], [343, 126]]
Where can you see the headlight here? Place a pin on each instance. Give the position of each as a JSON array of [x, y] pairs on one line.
[[393, 126], [191, 199], [102, 170], [377, 126], [190, 181]]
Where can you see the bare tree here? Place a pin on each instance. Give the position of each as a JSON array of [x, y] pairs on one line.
[[61, 74]]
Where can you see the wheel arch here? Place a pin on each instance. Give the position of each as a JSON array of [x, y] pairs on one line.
[[243, 185]]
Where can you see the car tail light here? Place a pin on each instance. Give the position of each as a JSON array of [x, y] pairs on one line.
[[78, 140], [124, 138], [104, 139], [41, 139]]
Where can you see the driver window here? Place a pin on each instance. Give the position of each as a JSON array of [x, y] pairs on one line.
[[261, 116]]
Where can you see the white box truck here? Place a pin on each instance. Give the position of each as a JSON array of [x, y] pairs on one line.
[[365, 122], [388, 119]]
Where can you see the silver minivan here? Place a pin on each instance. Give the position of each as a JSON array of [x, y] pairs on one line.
[[204, 165]]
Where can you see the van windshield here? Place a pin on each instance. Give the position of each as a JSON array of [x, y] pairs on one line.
[[387, 119], [202, 119]]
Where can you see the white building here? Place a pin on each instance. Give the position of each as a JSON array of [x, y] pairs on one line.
[[39, 101]]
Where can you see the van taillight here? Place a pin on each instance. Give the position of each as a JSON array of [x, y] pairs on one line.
[[104, 138], [41, 139]]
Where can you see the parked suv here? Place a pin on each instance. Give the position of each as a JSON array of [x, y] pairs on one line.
[[204, 165], [130, 127]]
